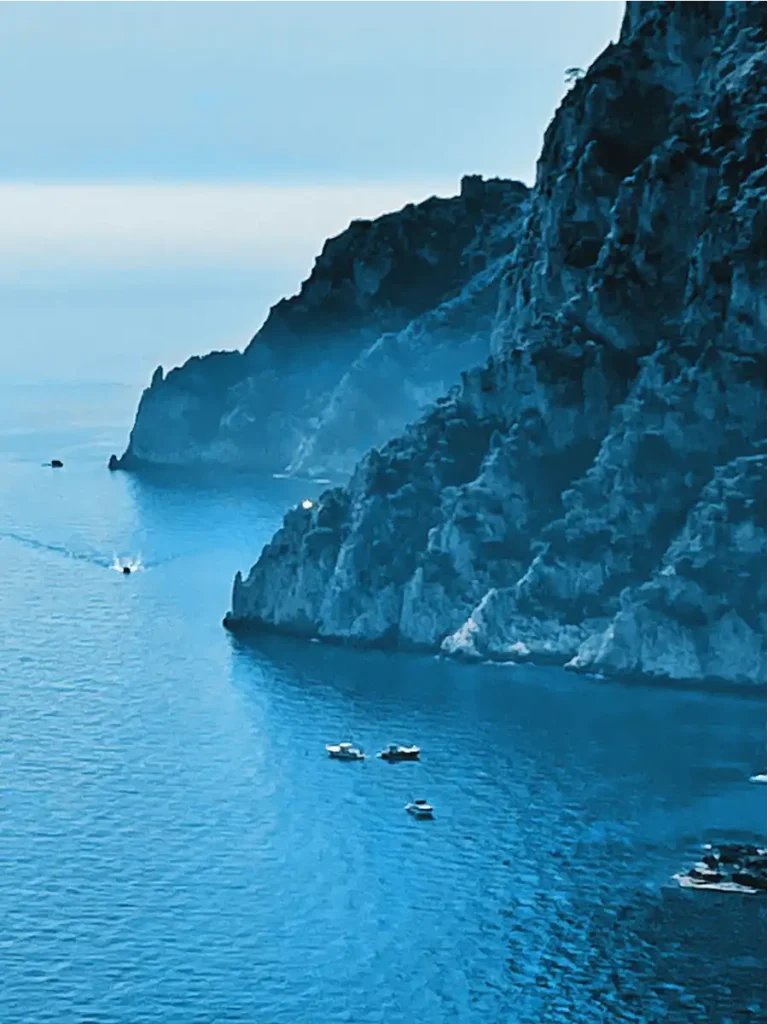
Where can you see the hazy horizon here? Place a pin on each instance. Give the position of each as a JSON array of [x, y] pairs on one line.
[[170, 172]]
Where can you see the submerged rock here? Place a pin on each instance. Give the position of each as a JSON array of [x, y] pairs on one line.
[[589, 495], [394, 307]]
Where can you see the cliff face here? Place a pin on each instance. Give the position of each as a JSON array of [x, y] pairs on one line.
[[589, 495], [405, 301], [683, 623]]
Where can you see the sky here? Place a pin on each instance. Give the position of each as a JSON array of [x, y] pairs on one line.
[[264, 91], [170, 170]]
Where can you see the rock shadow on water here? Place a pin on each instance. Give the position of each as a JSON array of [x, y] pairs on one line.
[[214, 480], [368, 676], [704, 686]]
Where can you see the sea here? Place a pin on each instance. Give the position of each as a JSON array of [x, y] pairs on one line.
[[176, 846]]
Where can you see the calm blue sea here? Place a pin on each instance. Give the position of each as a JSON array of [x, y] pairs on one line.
[[176, 848]]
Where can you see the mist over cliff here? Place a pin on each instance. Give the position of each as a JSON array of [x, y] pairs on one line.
[[392, 311], [594, 493]]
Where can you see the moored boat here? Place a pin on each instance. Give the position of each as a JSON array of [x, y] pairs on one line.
[[420, 809], [395, 752], [727, 867], [345, 752]]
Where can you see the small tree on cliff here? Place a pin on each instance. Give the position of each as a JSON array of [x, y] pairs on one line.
[[574, 74]]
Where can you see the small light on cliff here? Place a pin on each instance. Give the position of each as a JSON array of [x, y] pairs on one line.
[[307, 503]]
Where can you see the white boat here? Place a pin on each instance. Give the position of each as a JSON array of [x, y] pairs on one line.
[[345, 752], [394, 752], [420, 809], [687, 882], [763, 777]]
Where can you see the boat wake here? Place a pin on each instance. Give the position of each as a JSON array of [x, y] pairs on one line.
[[118, 564], [56, 549]]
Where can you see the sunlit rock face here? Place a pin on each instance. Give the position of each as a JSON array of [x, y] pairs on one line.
[[683, 623], [588, 495], [393, 310]]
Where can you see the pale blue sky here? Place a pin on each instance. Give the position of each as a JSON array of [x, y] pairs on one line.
[[160, 161], [251, 91]]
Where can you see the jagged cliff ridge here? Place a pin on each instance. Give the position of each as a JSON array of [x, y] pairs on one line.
[[591, 495], [403, 303]]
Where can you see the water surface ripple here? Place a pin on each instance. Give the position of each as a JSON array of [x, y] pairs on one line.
[[176, 848]]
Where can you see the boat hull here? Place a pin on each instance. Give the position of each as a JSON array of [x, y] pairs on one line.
[[337, 754], [422, 813]]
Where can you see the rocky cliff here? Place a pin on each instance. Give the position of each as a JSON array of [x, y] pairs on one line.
[[392, 311], [590, 495]]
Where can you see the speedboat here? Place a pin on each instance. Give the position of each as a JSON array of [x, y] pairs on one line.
[[762, 777], [420, 809], [394, 752], [345, 752], [126, 570]]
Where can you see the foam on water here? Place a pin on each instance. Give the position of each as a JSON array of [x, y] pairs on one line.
[[134, 564]]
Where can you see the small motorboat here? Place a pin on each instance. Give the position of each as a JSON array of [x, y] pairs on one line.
[[420, 809], [57, 464], [761, 777], [344, 752], [126, 570], [394, 752]]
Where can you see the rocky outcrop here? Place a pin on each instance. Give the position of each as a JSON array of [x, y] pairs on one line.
[[548, 508], [400, 304], [683, 623]]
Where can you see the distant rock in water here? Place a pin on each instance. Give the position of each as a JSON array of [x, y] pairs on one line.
[[392, 312], [114, 463], [594, 495]]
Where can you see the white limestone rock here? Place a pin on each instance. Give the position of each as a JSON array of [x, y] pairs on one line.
[[702, 613], [533, 513]]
